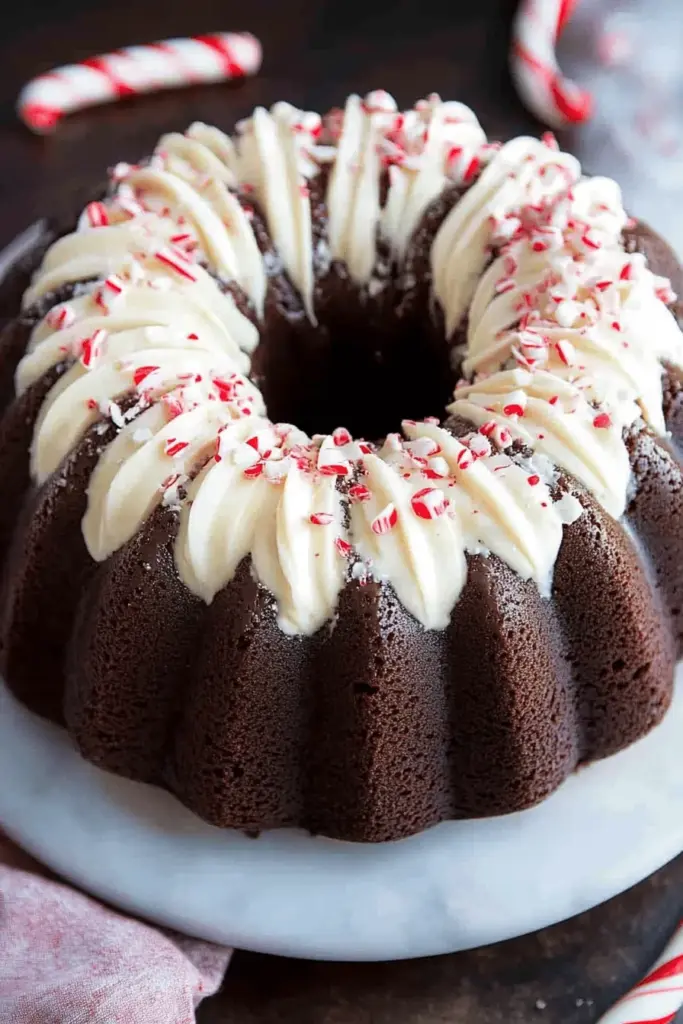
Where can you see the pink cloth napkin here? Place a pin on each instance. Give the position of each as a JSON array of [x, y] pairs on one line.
[[67, 959]]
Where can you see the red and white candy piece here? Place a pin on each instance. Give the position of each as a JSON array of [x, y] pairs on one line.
[[359, 493], [176, 260], [385, 521], [92, 348], [110, 290], [429, 503], [341, 436], [95, 215], [330, 462], [134, 70], [553, 98], [659, 996], [342, 546], [321, 518], [60, 317]]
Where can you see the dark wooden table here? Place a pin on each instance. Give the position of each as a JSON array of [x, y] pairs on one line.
[[315, 53]]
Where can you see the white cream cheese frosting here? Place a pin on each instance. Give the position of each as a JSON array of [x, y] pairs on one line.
[[566, 340], [523, 173]]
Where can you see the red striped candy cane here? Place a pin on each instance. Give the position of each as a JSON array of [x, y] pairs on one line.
[[659, 996], [135, 70], [546, 92]]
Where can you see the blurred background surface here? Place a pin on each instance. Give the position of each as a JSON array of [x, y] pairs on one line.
[[629, 53]]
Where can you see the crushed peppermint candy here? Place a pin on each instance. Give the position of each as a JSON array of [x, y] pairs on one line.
[[498, 433], [141, 373], [385, 521], [60, 317], [110, 289], [95, 215], [343, 547], [329, 461], [429, 503], [173, 447], [92, 348], [465, 458], [359, 493], [573, 293], [177, 260], [341, 436], [321, 518]]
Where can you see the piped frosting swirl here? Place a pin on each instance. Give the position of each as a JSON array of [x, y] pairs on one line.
[[566, 340]]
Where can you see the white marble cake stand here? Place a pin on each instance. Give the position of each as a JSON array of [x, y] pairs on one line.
[[459, 885]]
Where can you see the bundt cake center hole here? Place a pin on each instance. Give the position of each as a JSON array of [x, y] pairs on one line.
[[361, 375]]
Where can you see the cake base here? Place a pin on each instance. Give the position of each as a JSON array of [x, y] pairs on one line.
[[456, 886]]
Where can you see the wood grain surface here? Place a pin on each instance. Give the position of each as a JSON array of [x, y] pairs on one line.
[[315, 53]]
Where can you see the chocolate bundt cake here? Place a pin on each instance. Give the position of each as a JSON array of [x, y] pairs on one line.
[[242, 557]]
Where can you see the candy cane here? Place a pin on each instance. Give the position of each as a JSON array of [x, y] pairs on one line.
[[659, 996], [135, 70], [551, 97]]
